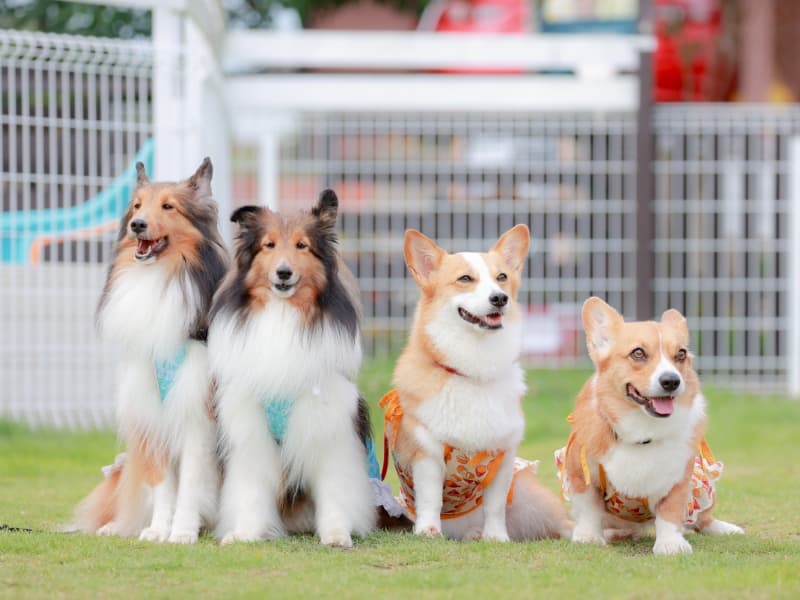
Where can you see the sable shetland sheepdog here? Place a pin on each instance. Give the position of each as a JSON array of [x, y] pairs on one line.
[[637, 452], [454, 421], [285, 349], [169, 261]]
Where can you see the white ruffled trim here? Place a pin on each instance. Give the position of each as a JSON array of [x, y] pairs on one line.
[[109, 470], [383, 497]]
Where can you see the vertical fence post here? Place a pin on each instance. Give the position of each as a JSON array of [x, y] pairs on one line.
[[168, 91], [793, 274], [268, 174], [645, 187]]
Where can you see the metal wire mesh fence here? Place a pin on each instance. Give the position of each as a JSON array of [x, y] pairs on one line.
[[76, 113], [73, 114], [722, 237], [463, 180]]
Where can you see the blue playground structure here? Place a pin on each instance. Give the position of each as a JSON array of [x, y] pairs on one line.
[[22, 233]]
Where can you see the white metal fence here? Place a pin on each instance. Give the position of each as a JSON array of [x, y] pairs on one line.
[[464, 179], [723, 246], [75, 113]]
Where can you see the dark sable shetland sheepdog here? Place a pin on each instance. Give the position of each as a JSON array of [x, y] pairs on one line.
[[168, 263], [284, 348]]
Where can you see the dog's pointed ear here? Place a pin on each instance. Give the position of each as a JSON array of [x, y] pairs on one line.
[[141, 175], [601, 323], [675, 318], [246, 217], [326, 209], [200, 182], [248, 236], [422, 255], [513, 246]]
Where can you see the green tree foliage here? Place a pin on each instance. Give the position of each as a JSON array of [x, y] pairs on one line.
[[254, 14], [107, 21], [71, 17]]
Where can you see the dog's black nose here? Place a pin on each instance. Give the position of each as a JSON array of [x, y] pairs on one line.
[[498, 299], [669, 381], [283, 273], [138, 225]]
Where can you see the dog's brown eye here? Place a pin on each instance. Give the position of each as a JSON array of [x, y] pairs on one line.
[[269, 245], [137, 206], [301, 245], [502, 277], [638, 354], [167, 206], [465, 278], [681, 355]]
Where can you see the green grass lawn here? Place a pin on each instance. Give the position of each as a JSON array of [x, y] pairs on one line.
[[43, 474]]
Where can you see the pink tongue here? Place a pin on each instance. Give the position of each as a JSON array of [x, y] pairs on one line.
[[494, 319], [663, 406], [144, 246]]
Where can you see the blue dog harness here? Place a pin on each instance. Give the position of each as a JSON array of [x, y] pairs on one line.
[[277, 411], [167, 371]]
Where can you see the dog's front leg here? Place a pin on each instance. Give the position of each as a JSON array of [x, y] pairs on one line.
[[253, 471], [198, 483], [495, 498], [588, 507], [588, 510], [163, 508], [428, 474], [670, 516]]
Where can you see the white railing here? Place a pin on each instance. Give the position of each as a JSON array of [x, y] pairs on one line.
[[461, 156]]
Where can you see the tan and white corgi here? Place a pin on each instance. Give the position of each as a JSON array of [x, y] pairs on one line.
[[454, 421], [637, 452]]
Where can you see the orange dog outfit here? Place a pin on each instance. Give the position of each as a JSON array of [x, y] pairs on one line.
[[705, 474], [467, 475]]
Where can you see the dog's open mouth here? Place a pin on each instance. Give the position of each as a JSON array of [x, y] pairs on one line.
[[146, 249], [283, 287], [490, 321], [658, 406]]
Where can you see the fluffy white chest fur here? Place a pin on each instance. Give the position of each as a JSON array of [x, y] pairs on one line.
[[481, 409], [274, 354], [650, 470], [473, 415], [147, 312]]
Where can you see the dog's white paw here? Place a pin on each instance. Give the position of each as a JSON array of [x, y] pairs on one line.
[[109, 528], [717, 527], [338, 538], [233, 537], [430, 531], [154, 534], [588, 536], [673, 544], [495, 533], [182, 537]]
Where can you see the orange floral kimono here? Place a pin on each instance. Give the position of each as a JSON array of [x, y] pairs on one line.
[[701, 491], [467, 475]]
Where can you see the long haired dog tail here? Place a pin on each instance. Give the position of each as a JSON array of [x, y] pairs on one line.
[[121, 503]]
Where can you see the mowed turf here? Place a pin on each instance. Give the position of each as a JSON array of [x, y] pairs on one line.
[[43, 474]]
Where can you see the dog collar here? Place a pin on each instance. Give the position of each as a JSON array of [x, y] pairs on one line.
[[639, 443], [450, 370]]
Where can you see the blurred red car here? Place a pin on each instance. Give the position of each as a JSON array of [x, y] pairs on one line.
[[477, 16]]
